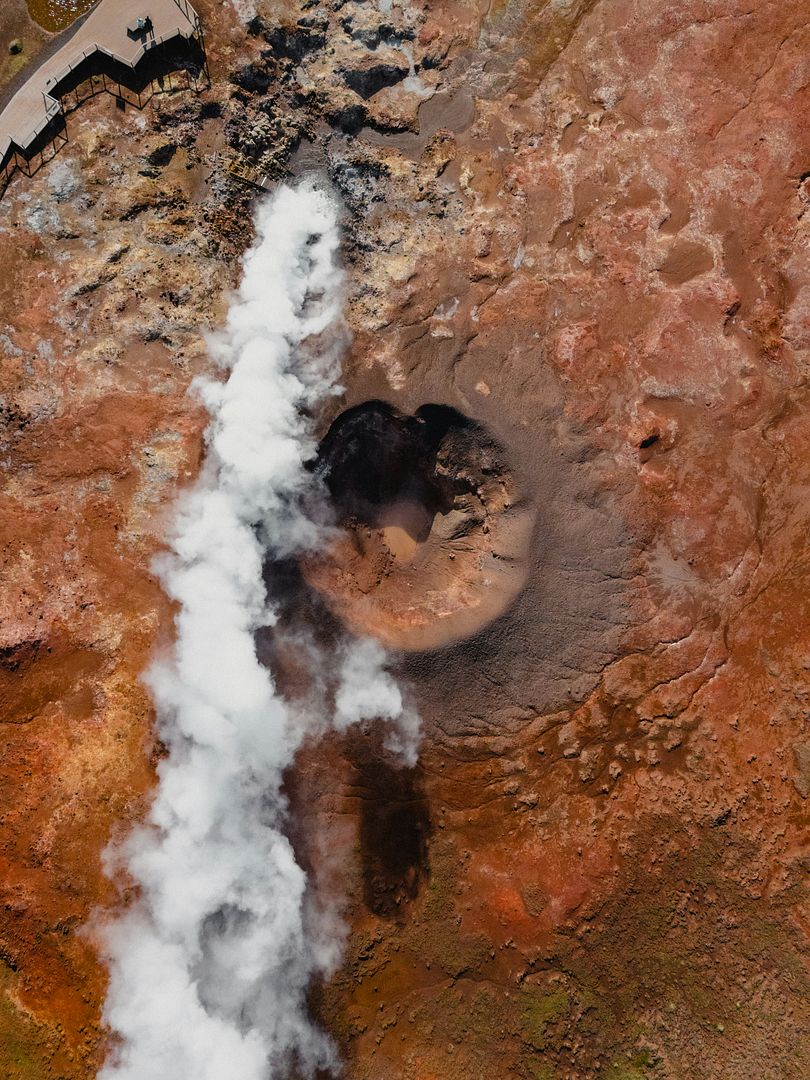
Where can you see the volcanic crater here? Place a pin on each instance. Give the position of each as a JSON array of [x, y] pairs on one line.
[[433, 531]]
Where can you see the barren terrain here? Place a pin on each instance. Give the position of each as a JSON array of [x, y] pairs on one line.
[[582, 228]]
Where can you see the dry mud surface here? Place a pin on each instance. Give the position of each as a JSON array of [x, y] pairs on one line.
[[582, 227]]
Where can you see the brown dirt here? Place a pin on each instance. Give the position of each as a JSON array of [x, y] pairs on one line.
[[16, 24]]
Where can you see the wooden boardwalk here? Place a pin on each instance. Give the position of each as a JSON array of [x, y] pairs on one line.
[[247, 173], [129, 48]]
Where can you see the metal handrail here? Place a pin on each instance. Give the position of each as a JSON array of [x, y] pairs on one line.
[[51, 99], [132, 62], [185, 8], [53, 105]]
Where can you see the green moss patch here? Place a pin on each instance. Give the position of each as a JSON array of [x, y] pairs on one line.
[[20, 1040], [540, 1013]]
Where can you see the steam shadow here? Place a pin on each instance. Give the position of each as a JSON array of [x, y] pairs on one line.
[[394, 827]]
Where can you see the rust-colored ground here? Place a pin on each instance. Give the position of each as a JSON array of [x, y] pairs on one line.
[[593, 242]]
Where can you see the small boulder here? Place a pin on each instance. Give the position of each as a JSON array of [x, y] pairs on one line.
[[801, 777]]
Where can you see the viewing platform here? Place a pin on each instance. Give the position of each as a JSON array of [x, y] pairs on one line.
[[127, 48]]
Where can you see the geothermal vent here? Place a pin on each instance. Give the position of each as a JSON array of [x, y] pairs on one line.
[[433, 533]]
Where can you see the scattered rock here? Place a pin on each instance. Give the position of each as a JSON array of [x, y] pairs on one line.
[[801, 777]]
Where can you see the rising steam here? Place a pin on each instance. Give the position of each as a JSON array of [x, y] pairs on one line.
[[210, 966]]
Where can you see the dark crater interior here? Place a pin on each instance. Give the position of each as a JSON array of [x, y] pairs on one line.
[[374, 457]]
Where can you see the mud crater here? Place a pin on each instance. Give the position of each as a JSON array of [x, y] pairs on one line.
[[433, 533]]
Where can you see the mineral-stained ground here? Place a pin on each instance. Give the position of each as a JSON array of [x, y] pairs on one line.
[[581, 227]]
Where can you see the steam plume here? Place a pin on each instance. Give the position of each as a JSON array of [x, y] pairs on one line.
[[209, 967]]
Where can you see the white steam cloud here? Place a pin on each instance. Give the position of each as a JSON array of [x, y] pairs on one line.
[[209, 966], [367, 692]]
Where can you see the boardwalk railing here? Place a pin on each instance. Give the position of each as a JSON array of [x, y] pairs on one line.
[[190, 14], [15, 153], [130, 62]]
